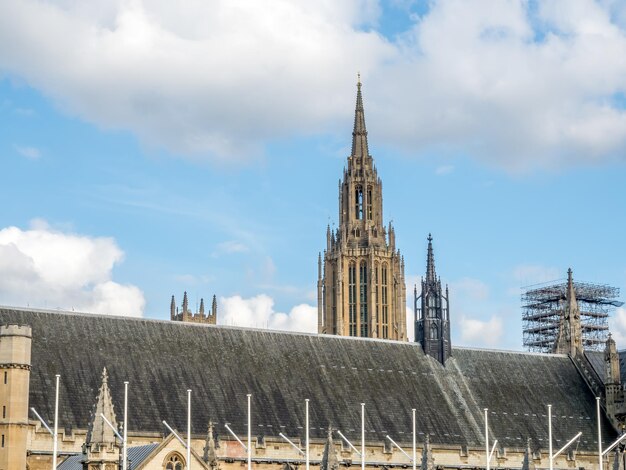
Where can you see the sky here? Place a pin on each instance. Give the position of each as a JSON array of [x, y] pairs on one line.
[[149, 148]]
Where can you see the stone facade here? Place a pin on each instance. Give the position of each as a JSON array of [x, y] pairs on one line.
[[15, 365], [184, 314], [361, 288]]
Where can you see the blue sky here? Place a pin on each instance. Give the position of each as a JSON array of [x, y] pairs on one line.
[[147, 151]]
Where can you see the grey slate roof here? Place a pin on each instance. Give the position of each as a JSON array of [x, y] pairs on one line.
[[596, 359], [136, 455], [73, 462], [622, 364], [161, 359]]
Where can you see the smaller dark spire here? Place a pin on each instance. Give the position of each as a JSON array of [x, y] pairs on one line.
[[528, 462], [172, 309], [202, 307], [431, 276], [214, 306]]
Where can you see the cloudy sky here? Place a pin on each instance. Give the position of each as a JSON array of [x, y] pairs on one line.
[[151, 147]]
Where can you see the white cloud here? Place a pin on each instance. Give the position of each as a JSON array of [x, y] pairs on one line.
[[617, 326], [229, 247], [481, 333], [444, 170], [258, 312], [43, 267], [32, 153], [200, 78], [470, 289], [515, 87]]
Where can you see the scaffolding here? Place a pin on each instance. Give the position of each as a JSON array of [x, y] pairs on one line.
[[543, 305]]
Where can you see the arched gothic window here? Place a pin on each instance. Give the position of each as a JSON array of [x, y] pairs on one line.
[[434, 334], [384, 300], [352, 298], [174, 462], [358, 202], [363, 298]]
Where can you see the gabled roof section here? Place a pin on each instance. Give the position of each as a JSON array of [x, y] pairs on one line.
[[150, 451], [162, 359]]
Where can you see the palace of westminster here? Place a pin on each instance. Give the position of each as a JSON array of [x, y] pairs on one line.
[[373, 396]]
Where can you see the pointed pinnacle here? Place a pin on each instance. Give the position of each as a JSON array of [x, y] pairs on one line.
[[359, 133], [430, 261]]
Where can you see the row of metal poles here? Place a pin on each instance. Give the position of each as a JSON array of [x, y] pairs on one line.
[[488, 452]]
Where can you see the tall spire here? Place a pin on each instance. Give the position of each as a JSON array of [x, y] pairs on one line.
[[359, 134], [571, 292], [99, 433], [431, 276]]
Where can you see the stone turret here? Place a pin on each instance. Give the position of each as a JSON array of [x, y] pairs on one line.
[[15, 347], [100, 445], [186, 315], [613, 391]]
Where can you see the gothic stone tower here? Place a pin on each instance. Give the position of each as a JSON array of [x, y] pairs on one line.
[[432, 320], [361, 290], [15, 343]]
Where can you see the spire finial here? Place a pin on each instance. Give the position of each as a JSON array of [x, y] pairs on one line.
[[431, 276], [358, 78], [359, 133], [98, 432]]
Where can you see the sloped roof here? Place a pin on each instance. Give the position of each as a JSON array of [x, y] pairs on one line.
[[596, 359], [162, 359], [136, 455]]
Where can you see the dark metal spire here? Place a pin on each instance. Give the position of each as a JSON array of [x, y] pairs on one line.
[[431, 276], [359, 134]]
